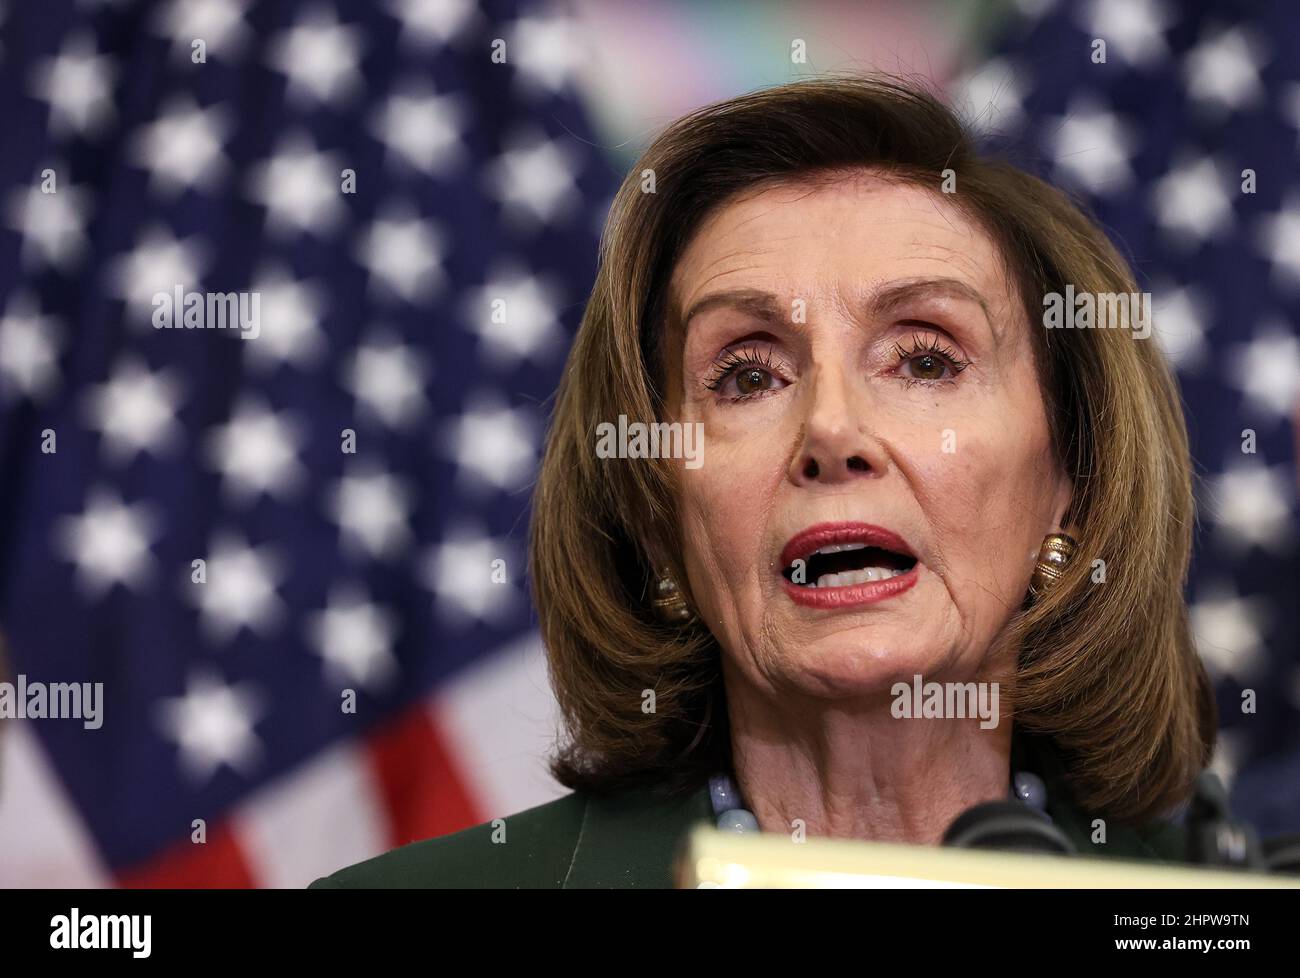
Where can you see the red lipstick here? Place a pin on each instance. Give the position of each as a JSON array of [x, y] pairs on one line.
[[804, 544]]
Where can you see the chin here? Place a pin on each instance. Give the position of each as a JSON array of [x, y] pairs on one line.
[[855, 664]]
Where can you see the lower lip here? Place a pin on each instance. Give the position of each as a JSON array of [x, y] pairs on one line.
[[851, 594]]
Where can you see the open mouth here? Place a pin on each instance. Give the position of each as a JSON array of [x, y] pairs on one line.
[[847, 564]]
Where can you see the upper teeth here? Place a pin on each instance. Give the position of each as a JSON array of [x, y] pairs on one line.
[[835, 548], [850, 577], [846, 578]]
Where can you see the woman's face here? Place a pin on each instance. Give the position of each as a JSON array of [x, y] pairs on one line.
[[858, 361]]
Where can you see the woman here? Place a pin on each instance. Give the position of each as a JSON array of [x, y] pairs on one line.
[[909, 483]]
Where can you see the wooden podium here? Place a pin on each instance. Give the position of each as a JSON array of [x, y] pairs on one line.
[[711, 859]]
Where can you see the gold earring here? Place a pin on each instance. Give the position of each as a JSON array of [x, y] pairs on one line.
[[1053, 557], [669, 603]]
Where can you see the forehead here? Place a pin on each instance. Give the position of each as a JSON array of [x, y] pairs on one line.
[[852, 230]]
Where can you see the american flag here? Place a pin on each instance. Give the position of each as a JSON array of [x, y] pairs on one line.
[[295, 561], [1179, 124], [427, 313]]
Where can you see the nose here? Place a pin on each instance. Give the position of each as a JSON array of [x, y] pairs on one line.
[[836, 445]]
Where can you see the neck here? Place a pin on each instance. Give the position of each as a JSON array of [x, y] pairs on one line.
[[850, 769]]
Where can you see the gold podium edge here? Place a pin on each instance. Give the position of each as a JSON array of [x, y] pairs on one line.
[[710, 859]]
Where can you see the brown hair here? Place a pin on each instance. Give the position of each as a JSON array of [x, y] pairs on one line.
[[1108, 671]]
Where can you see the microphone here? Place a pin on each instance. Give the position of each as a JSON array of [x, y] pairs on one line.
[[1282, 854], [1214, 837], [1009, 826]]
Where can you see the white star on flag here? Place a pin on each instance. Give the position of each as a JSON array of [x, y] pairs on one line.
[[135, 410], [1228, 630], [459, 571], [300, 188], [29, 351], [238, 589], [182, 147], [1180, 317], [1267, 370], [1092, 148], [493, 444], [1192, 203], [355, 638], [219, 24], [109, 542], [52, 225], [1133, 28], [516, 315], [990, 98], [403, 254], [431, 22], [534, 180], [158, 263], [547, 51], [421, 129], [1222, 71], [290, 315], [387, 379], [78, 86], [1279, 241], [213, 725], [371, 509], [256, 452], [1249, 503], [319, 56]]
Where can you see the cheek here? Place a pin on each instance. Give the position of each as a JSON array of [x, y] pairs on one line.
[[987, 503], [726, 504]]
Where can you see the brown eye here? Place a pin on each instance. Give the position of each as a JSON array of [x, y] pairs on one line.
[[927, 361], [751, 372], [928, 367], [752, 380]]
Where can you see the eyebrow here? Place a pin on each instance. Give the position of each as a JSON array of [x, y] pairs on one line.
[[882, 299], [756, 302]]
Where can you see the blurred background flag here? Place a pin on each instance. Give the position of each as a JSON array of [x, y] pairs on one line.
[[1179, 124], [350, 666], [413, 189]]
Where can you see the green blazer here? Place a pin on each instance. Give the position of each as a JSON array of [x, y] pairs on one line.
[[629, 840]]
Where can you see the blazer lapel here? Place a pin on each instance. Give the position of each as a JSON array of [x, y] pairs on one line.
[[630, 840]]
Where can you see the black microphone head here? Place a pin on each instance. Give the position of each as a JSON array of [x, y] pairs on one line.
[[1214, 837], [1282, 854], [1209, 797], [1009, 826]]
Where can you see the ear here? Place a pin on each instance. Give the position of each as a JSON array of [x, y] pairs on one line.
[[655, 554], [1061, 501]]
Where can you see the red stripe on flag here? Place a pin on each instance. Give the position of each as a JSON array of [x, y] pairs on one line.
[[218, 863], [419, 779]]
